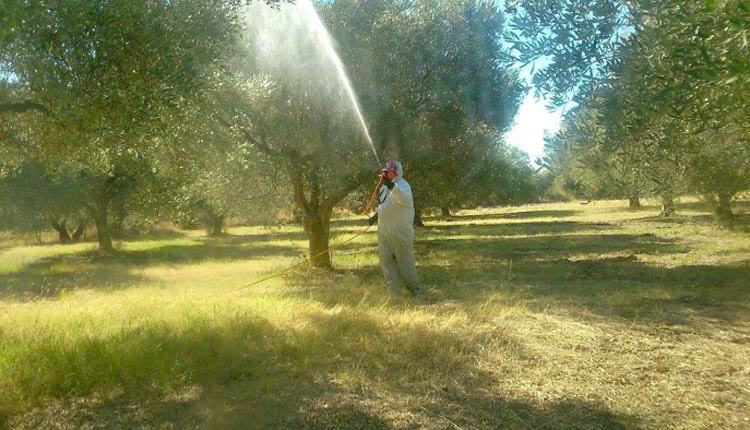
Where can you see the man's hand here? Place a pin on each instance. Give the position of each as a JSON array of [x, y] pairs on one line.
[[372, 220]]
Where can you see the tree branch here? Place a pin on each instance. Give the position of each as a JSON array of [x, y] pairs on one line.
[[22, 107], [259, 143], [297, 179], [356, 182]]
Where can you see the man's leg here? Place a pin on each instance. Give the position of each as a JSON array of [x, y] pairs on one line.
[[388, 264], [407, 266]]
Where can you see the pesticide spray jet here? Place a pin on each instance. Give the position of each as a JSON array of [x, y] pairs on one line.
[[291, 40]]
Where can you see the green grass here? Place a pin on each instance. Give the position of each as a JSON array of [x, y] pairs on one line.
[[543, 316]]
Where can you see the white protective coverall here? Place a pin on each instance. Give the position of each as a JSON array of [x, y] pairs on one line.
[[396, 233]]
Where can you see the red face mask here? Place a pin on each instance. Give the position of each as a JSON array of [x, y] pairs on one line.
[[389, 167]]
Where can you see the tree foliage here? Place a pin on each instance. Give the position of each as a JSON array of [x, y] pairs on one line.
[[107, 73], [670, 94], [34, 200], [432, 83], [147, 108], [436, 85]]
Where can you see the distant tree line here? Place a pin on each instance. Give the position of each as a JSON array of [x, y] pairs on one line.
[[661, 88]]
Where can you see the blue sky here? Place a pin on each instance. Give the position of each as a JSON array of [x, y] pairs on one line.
[[533, 120]]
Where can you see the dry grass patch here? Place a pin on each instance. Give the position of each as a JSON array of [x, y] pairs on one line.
[[547, 316]]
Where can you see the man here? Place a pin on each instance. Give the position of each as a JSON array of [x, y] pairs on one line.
[[395, 229]]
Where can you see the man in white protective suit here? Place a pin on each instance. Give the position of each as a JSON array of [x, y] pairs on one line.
[[396, 229]]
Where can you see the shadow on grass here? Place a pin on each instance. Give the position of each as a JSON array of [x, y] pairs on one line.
[[739, 223], [628, 288], [248, 372], [599, 273], [515, 229], [261, 237], [511, 215], [214, 250], [243, 371], [49, 277], [702, 206], [544, 247], [354, 223], [510, 414], [538, 214]]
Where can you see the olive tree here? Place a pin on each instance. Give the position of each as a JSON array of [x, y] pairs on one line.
[[670, 78], [436, 85], [104, 73]]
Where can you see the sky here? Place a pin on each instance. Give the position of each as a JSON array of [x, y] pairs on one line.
[[533, 119], [532, 122]]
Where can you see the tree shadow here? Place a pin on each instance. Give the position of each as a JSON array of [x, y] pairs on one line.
[[545, 247], [151, 369], [524, 229], [47, 278], [703, 206], [628, 288], [268, 376], [499, 412], [213, 250], [339, 229], [269, 391], [740, 222], [354, 223], [620, 285], [253, 373], [599, 273], [334, 416], [511, 215], [351, 223], [260, 237], [540, 214]]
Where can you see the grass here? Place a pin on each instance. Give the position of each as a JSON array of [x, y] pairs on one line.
[[543, 316]]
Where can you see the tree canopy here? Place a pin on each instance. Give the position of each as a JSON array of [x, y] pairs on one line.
[[667, 82], [151, 110], [436, 84]]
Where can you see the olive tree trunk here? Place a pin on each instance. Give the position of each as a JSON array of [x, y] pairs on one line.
[[723, 208], [103, 229], [634, 201], [80, 230], [215, 223], [99, 207], [62, 230], [318, 227], [668, 207], [316, 208]]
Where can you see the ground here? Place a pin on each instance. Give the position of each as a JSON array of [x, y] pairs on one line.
[[541, 316]]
